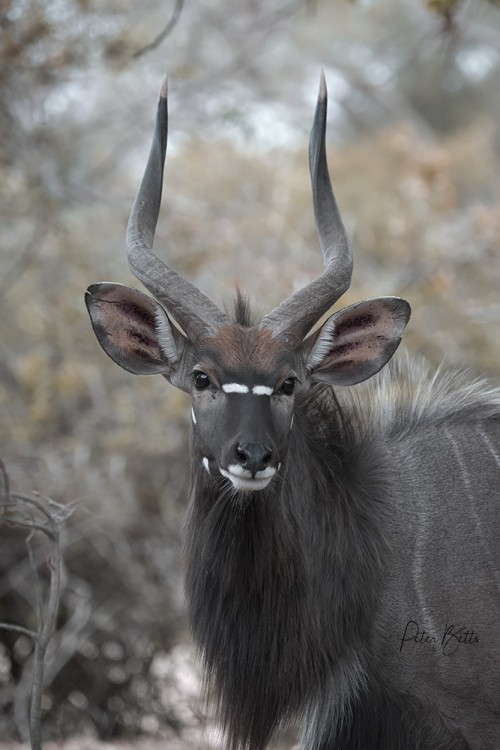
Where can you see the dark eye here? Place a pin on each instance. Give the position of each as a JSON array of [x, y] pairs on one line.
[[287, 386], [201, 380]]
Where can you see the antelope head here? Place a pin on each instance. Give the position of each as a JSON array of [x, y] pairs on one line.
[[243, 378]]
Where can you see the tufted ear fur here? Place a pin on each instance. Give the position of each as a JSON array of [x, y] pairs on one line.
[[356, 342], [134, 330]]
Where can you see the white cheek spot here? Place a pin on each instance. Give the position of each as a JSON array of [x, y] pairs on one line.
[[206, 464], [235, 388], [262, 390], [193, 417]]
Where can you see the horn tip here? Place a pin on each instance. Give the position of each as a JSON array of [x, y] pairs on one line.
[[322, 94], [164, 88]]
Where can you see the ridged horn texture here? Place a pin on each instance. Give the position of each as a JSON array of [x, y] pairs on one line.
[[193, 311], [294, 317]]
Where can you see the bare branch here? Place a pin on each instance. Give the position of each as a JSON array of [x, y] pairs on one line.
[[4, 483], [172, 23], [19, 629], [34, 568], [26, 505], [41, 643]]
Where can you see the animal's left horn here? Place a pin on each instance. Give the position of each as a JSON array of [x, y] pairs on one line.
[[194, 312], [294, 317]]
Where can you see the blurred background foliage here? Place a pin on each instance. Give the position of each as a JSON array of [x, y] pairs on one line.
[[414, 154]]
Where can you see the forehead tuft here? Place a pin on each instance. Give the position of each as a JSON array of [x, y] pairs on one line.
[[236, 348]]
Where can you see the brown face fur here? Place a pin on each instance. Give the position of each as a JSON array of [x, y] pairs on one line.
[[247, 354]]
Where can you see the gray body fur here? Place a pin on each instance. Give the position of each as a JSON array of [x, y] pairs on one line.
[[441, 436]]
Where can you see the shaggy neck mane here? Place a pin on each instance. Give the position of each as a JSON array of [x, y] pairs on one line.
[[271, 626]]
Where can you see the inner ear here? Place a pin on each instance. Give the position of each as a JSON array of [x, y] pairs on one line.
[[356, 342], [133, 329]]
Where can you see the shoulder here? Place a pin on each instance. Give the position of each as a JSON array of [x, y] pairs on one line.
[[408, 396]]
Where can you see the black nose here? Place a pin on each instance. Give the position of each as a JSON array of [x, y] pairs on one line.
[[254, 456]]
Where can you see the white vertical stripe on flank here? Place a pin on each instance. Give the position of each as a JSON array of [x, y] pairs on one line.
[[490, 446], [468, 481], [235, 388], [423, 522], [262, 390]]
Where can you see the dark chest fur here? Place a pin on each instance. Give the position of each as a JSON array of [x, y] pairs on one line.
[[281, 585]]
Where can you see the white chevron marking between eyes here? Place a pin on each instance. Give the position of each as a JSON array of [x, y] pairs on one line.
[[262, 390], [235, 388], [257, 390]]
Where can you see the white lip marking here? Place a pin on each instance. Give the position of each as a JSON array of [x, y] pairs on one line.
[[242, 478], [206, 464], [262, 390], [235, 388], [239, 471], [193, 416]]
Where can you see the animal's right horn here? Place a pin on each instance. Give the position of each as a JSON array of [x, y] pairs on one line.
[[195, 313]]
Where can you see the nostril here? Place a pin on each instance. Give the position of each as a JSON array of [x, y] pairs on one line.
[[254, 456], [267, 456], [241, 453]]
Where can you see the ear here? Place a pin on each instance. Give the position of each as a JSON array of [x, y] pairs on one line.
[[358, 341], [134, 330]]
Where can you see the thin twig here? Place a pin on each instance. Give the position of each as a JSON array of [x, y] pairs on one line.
[[41, 644], [172, 23], [28, 525], [34, 568], [4, 483], [19, 629]]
